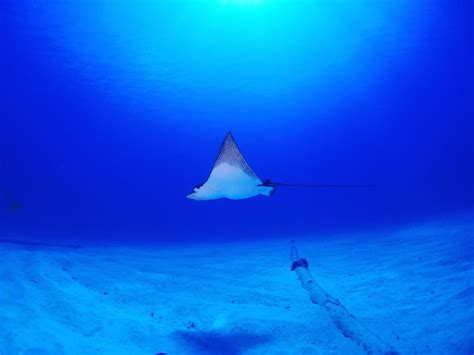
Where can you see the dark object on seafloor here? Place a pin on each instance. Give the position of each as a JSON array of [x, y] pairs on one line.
[[345, 322], [299, 263]]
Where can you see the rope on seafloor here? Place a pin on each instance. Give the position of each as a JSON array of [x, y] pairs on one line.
[[345, 322]]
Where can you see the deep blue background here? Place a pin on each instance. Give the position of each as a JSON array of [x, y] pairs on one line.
[[99, 142]]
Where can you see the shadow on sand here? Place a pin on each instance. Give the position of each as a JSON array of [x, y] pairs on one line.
[[221, 343]]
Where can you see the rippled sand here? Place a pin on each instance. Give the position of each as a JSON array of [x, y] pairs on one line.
[[414, 288]]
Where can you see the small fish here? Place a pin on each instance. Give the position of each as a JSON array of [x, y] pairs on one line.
[[15, 206]]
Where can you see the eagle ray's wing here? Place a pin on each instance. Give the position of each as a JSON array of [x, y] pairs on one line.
[[229, 153]]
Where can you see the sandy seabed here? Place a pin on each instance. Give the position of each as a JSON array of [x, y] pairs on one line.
[[414, 288]]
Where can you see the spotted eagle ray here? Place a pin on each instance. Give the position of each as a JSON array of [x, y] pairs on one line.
[[232, 177]]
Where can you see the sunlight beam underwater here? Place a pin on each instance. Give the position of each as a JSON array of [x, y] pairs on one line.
[[232, 177]]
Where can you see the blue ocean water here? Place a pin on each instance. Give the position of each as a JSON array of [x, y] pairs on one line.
[[112, 111]]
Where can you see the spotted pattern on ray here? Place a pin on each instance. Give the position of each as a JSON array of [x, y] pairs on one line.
[[230, 154]]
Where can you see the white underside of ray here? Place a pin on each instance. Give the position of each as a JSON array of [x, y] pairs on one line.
[[231, 182]]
